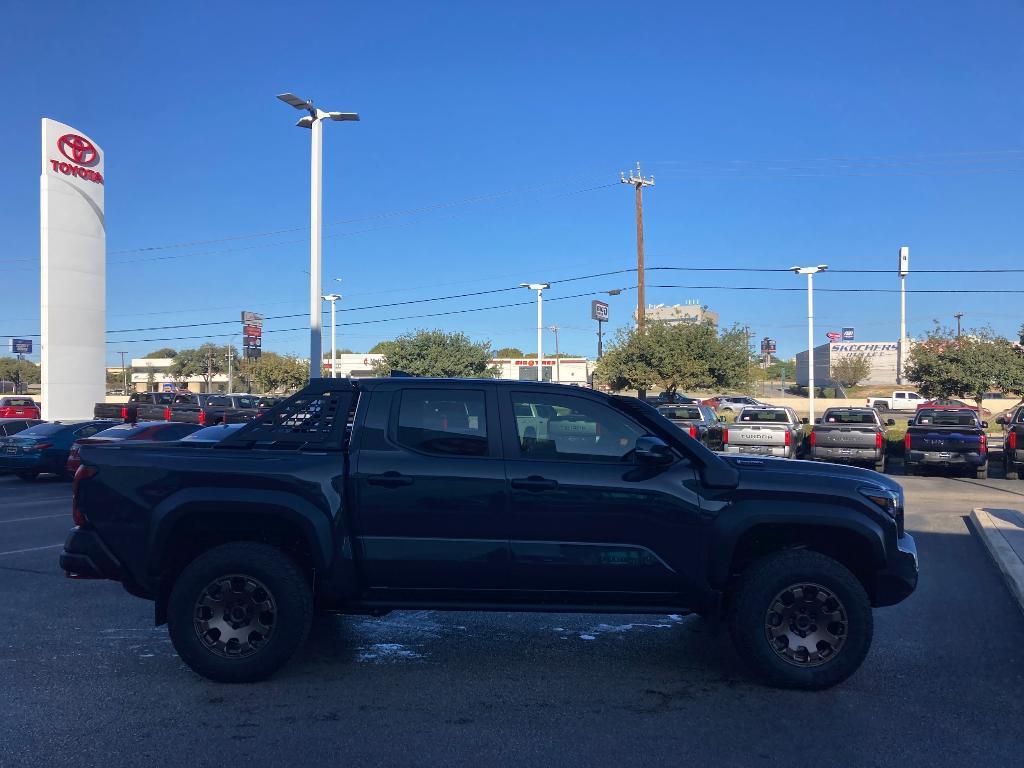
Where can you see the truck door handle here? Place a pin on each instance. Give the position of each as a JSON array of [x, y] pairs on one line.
[[389, 480], [535, 483]]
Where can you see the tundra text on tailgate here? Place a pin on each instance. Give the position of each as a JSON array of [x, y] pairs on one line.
[[406, 493]]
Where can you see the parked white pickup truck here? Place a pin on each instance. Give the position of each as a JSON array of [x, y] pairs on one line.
[[900, 400]]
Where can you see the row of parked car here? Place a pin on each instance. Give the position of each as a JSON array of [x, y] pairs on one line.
[[186, 407]]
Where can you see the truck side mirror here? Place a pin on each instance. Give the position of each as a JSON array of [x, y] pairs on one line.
[[1000, 419], [653, 450], [805, 420], [890, 422], [984, 425]]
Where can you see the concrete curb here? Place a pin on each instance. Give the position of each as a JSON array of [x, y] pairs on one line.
[[993, 532]]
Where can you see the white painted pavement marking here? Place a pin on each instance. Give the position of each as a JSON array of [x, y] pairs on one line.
[[37, 517], [30, 549]]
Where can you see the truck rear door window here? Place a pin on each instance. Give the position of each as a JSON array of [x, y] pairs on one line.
[[446, 422], [847, 417], [776, 417]]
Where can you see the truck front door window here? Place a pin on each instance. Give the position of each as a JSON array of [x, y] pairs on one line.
[[571, 429]]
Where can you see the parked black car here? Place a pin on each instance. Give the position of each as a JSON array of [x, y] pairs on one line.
[[44, 448], [14, 426], [436, 498], [946, 439], [699, 421], [671, 399], [1013, 442]]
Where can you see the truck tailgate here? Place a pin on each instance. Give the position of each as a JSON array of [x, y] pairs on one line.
[[943, 441], [772, 435], [845, 437]]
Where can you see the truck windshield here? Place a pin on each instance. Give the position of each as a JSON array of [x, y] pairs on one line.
[[676, 412], [848, 417], [772, 416]]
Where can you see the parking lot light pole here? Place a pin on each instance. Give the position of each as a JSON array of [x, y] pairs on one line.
[[314, 121], [333, 297], [810, 272], [539, 288]]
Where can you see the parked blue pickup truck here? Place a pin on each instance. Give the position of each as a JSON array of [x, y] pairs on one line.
[[947, 439]]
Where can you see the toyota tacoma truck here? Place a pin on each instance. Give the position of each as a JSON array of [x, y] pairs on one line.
[[1013, 442], [765, 431], [948, 440], [850, 436], [363, 497]]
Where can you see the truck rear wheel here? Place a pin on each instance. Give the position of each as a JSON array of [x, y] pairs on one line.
[[238, 612], [981, 473], [800, 619], [880, 465], [1012, 472]]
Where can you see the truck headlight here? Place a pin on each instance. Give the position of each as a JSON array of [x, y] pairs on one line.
[[886, 499]]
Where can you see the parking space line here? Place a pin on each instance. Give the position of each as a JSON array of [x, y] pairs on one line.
[[37, 517], [30, 549]]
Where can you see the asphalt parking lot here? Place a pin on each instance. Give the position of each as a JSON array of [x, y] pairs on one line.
[[87, 680]]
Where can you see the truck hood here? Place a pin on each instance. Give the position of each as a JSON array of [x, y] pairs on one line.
[[761, 471]]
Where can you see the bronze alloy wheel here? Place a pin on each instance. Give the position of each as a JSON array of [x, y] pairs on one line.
[[806, 625], [234, 616]]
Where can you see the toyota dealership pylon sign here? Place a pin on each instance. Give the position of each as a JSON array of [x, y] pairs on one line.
[[73, 252]]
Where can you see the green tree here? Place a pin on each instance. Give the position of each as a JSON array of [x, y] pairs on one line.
[[437, 353], [944, 364], [850, 370], [380, 348], [509, 352], [342, 351], [278, 373], [205, 361], [161, 353], [22, 372], [677, 357]]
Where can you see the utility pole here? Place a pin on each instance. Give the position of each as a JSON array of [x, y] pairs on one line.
[[230, 376], [558, 369], [958, 317], [209, 371], [639, 182], [124, 372]]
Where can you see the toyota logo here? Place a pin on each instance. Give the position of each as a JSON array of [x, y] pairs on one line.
[[78, 149]]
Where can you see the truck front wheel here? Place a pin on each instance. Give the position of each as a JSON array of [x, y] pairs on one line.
[[800, 619], [238, 612]]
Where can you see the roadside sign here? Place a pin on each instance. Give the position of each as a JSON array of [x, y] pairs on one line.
[[848, 334], [599, 311], [767, 346], [21, 346], [834, 335]]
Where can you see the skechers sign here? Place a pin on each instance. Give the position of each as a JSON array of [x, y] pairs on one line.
[[81, 153]]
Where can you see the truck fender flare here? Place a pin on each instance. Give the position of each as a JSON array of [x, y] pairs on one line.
[[313, 522], [727, 530]]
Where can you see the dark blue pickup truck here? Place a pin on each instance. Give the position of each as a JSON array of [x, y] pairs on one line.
[[367, 496], [948, 439]]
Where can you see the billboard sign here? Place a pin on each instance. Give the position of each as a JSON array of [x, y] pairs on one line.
[[599, 311], [21, 346], [848, 334], [834, 335], [767, 346], [252, 334]]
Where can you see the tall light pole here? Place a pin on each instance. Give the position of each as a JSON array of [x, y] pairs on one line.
[[959, 316], [901, 355], [810, 272], [314, 120], [539, 288], [558, 370], [333, 297]]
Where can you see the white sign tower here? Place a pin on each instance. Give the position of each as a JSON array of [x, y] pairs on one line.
[[73, 252]]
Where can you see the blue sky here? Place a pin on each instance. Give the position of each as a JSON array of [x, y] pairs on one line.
[[491, 141]]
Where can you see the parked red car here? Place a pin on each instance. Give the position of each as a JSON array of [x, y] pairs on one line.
[[18, 408], [949, 404], [147, 430]]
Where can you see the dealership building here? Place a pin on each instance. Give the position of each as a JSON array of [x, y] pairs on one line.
[[882, 356]]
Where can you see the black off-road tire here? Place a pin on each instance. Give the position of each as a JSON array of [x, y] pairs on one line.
[[981, 473], [880, 466], [275, 573], [751, 618], [1012, 470]]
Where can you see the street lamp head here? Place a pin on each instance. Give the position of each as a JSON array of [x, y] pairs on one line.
[[331, 297], [295, 101], [808, 270], [535, 286], [305, 122], [343, 115], [822, 267], [614, 292]]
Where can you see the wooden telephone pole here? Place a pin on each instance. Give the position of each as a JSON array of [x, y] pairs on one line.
[[639, 182]]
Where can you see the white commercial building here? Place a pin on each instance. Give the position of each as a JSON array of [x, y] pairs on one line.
[[566, 370], [882, 357], [690, 313]]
